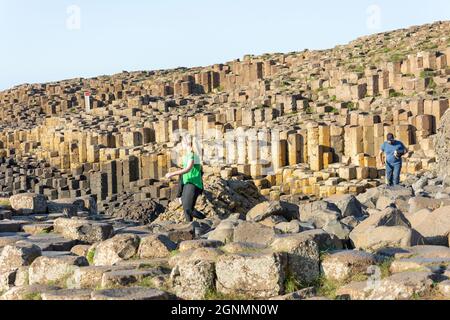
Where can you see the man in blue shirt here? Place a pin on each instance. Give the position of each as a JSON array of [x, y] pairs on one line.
[[393, 151]]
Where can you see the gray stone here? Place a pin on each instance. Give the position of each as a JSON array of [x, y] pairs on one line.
[[45, 270], [265, 210], [133, 293], [256, 275], [254, 232], [156, 246], [28, 203], [116, 249]]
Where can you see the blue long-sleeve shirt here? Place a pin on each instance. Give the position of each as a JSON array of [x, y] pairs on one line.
[[389, 150]]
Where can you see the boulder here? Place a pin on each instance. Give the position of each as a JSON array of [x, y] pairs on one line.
[[402, 286], [418, 203], [324, 240], [120, 278], [7, 226], [444, 288], [369, 198], [255, 275], [433, 226], [82, 230], [28, 203], [265, 210], [340, 266], [196, 244], [57, 269], [383, 237], [303, 256], [51, 242], [417, 263], [87, 277], [193, 279], [19, 254], [33, 292], [294, 226], [156, 246], [120, 247], [347, 204], [254, 232], [386, 228], [308, 211]]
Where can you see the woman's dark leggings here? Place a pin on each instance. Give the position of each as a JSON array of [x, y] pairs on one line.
[[189, 198]]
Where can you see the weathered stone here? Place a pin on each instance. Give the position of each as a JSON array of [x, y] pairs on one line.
[[342, 265], [133, 293], [82, 230], [155, 246], [433, 226], [444, 288], [40, 228], [303, 256], [80, 250], [257, 275], [68, 294], [28, 203], [347, 204], [253, 232], [12, 225], [193, 279], [33, 292], [265, 210], [403, 285], [87, 277], [44, 270], [127, 277], [195, 244], [51, 242], [118, 248], [18, 255]]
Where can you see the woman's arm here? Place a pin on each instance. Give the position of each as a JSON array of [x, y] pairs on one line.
[[181, 172]]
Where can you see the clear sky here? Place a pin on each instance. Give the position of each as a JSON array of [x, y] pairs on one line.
[[49, 40]]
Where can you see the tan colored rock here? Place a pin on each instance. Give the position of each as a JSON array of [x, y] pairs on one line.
[[85, 231], [28, 203], [344, 264], [155, 246], [257, 275], [116, 249], [57, 269]]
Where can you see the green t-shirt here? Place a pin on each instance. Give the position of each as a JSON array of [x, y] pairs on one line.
[[195, 175]]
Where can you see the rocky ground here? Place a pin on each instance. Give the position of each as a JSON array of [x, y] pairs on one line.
[[387, 243]]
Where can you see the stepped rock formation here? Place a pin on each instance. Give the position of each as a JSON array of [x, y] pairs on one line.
[[294, 195]]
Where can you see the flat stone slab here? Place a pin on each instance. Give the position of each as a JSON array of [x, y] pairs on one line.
[[133, 293], [420, 264], [128, 277], [33, 292], [52, 242], [68, 294], [7, 238], [38, 228], [12, 225]]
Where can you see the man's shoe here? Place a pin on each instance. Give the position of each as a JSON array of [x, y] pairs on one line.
[[198, 215]]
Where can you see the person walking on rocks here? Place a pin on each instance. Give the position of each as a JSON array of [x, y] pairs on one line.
[[393, 151], [191, 180]]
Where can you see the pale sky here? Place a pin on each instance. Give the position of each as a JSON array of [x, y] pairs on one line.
[[50, 40]]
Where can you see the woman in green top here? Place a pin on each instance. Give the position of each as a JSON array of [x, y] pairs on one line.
[[191, 182]]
